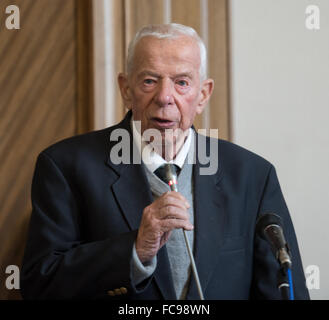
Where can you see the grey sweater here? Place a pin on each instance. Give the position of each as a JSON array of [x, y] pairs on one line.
[[176, 248]]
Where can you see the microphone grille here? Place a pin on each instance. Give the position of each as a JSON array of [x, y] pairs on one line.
[[265, 220]]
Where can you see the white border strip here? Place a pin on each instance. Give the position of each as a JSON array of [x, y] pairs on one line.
[[167, 11], [110, 75], [104, 76], [204, 17]]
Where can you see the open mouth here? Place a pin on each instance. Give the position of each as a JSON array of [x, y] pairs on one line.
[[162, 120], [161, 123]]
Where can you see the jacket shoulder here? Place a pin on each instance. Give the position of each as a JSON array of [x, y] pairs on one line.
[[78, 143], [80, 149], [231, 152], [94, 141], [234, 153]]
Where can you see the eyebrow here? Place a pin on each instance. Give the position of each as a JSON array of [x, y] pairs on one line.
[[156, 75], [148, 73], [184, 74]]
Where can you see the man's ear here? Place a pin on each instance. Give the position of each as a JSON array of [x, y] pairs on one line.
[[125, 89], [207, 88]]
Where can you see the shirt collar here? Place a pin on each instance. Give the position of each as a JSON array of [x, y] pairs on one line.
[[153, 160]]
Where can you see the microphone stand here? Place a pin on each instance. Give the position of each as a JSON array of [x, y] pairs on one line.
[[285, 283], [172, 181], [269, 228]]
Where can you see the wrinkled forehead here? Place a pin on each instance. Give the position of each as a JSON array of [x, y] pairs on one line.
[[167, 52]]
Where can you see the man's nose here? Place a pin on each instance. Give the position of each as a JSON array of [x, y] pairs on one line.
[[165, 94]]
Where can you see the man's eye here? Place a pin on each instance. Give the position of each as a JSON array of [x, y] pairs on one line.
[[182, 83], [149, 81]]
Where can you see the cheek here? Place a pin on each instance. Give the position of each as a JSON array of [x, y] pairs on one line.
[[142, 98], [140, 102], [189, 111]]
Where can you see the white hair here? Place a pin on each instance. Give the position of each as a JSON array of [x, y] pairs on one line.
[[168, 31]]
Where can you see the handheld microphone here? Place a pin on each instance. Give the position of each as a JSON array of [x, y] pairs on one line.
[[171, 180], [269, 227]]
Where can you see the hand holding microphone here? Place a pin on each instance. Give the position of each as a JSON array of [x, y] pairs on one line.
[[165, 214], [170, 177]]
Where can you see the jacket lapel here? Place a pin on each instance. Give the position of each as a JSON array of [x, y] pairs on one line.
[[133, 194], [210, 221]]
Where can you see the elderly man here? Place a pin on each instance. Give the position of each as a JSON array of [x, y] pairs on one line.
[[105, 229]]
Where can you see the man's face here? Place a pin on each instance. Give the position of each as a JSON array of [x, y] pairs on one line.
[[164, 89]]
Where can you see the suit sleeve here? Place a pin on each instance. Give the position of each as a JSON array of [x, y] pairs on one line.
[[266, 267], [58, 263]]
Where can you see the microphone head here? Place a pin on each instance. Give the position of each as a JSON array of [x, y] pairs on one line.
[[264, 221], [170, 174], [269, 227], [171, 177]]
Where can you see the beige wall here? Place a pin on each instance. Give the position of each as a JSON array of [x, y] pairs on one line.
[[280, 74], [43, 99]]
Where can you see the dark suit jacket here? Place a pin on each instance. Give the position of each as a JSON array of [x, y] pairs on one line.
[[87, 210]]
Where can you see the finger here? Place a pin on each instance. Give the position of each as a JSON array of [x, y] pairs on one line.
[[173, 200], [168, 225], [173, 212], [177, 195], [165, 238]]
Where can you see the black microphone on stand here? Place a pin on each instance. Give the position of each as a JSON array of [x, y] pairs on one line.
[[170, 177], [269, 227]]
